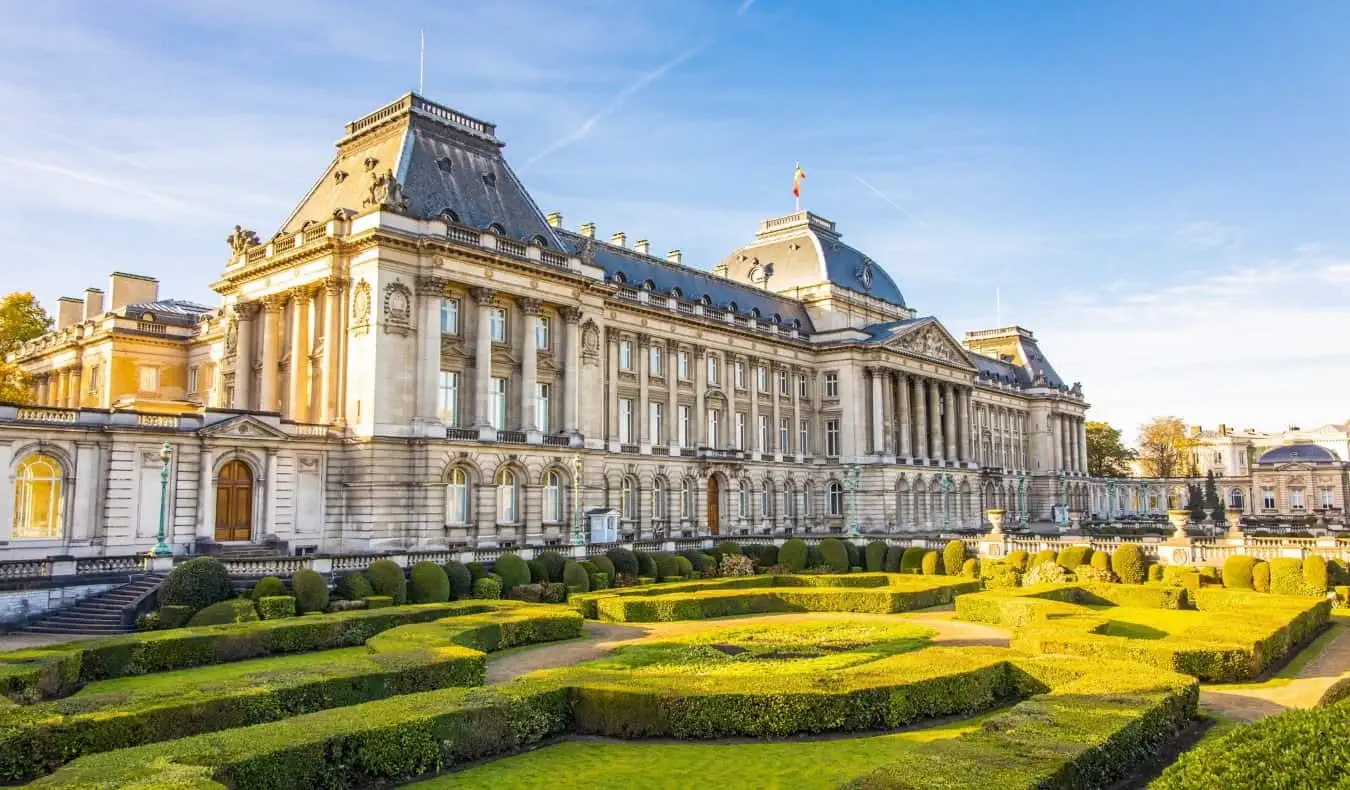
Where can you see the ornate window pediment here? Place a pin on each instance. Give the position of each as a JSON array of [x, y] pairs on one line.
[[929, 339]]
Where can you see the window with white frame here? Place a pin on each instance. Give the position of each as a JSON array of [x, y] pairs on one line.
[[714, 428], [543, 406], [803, 386], [745, 499], [784, 434], [740, 375], [682, 365], [686, 499], [39, 490], [714, 371], [832, 438], [761, 379], [457, 497], [659, 495], [553, 497], [831, 385], [448, 397], [654, 423], [192, 380], [1296, 499], [740, 430], [497, 324], [1328, 501], [625, 355], [626, 420], [507, 497], [1268, 498], [95, 376], [783, 382], [835, 499], [148, 379], [763, 428], [628, 499], [765, 500], [684, 426], [804, 437], [542, 333], [497, 403], [450, 316], [1235, 499], [654, 360]]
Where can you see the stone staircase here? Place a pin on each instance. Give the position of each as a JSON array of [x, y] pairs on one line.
[[250, 551], [99, 615]]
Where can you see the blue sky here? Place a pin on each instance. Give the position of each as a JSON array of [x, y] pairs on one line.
[[1157, 189]]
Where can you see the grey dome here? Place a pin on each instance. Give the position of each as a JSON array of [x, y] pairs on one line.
[[1299, 453]]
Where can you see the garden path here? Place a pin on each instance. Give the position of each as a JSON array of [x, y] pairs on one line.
[[1299, 685], [598, 639]]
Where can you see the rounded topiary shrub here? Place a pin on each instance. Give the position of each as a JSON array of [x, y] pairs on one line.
[[725, 547], [1072, 556], [875, 556], [554, 562], [605, 566], [1045, 573], [685, 567], [1286, 576], [695, 558], [513, 570], [1101, 560], [623, 559], [1041, 557], [1127, 563], [667, 569], [576, 578], [538, 573], [310, 589], [813, 558], [954, 557], [971, 568], [387, 579], [477, 570], [1237, 572], [1261, 576], [931, 564], [767, 557], [912, 560], [793, 555], [1017, 560], [429, 583], [198, 583], [855, 558], [1155, 573], [238, 610], [268, 587], [646, 563], [461, 581], [352, 586], [834, 554], [1315, 581], [487, 588], [893, 556]]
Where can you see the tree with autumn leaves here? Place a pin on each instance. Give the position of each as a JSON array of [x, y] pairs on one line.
[[1165, 448], [21, 320]]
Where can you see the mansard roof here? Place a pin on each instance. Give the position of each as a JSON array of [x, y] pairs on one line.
[[168, 311], [1299, 454]]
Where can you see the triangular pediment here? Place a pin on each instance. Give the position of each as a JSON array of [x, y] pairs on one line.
[[243, 427], [927, 338]]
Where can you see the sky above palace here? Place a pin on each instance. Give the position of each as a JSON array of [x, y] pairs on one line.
[[1158, 190]]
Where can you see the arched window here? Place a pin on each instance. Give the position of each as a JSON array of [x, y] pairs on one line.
[[619, 278], [745, 499], [659, 499], [687, 499], [457, 497], [836, 499], [449, 215], [765, 499], [553, 502], [677, 293], [37, 498], [538, 241], [1235, 499], [705, 300], [732, 307], [648, 285], [507, 497], [790, 499], [628, 499], [496, 229]]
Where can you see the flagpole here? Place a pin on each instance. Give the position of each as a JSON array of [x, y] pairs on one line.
[[421, 58]]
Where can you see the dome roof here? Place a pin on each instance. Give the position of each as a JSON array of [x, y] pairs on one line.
[[1299, 453]]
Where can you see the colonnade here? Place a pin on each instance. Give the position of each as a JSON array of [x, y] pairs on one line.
[[920, 419]]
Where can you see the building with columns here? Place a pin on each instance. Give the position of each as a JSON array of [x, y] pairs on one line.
[[419, 357]]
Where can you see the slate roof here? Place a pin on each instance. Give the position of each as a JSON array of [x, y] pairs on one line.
[[169, 311], [1299, 453], [998, 370], [843, 264]]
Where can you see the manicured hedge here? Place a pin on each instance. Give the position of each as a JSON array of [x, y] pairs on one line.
[[553, 561], [623, 559], [576, 578], [1286, 576], [875, 556], [646, 563], [461, 581], [931, 564], [198, 582], [954, 557], [894, 555], [239, 610], [275, 607], [311, 591], [1237, 572], [1072, 556], [1315, 576], [1017, 560], [1261, 576], [667, 569], [912, 560], [428, 584], [793, 554], [512, 569], [386, 578], [835, 556], [606, 566], [487, 589], [267, 587], [352, 586]]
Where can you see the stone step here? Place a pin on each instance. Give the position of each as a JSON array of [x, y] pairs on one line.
[[83, 630]]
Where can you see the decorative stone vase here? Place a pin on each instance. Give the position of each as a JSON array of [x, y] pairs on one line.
[[996, 516], [1179, 518], [1075, 519], [1234, 519]]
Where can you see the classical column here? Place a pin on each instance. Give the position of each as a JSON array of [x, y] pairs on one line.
[[332, 331], [1082, 446], [934, 421], [904, 416], [246, 313], [729, 388], [644, 363], [963, 421], [572, 373], [482, 364], [299, 382], [701, 437], [949, 421], [268, 396], [430, 290], [672, 416], [920, 419], [752, 371], [776, 394], [817, 430], [529, 368], [795, 429], [75, 392], [878, 414], [612, 385], [1057, 429]]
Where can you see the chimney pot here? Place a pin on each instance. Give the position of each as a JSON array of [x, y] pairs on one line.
[[642, 246], [675, 256], [588, 230], [69, 312], [619, 239], [555, 219], [93, 303], [720, 270], [128, 289]]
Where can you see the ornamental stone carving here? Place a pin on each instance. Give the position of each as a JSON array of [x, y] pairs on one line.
[[361, 307], [590, 339], [386, 193], [483, 296], [397, 308], [530, 306], [231, 336], [241, 239], [431, 285], [929, 342], [570, 314]]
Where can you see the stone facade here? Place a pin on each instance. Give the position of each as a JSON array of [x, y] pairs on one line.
[[419, 357]]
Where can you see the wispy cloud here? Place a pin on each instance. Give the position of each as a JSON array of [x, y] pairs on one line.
[[904, 212], [744, 7]]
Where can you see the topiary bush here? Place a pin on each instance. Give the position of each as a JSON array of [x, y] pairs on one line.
[[267, 587], [276, 607], [724, 548], [1041, 557], [352, 586], [461, 581], [538, 571], [174, 616], [554, 562], [477, 570], [768, 556], [1286, 576], [1155, 573], [1261, 576], [1237, 572], [1315, 575], [954, 557], [893, 556], [1017, 560], [198, 583], [1000, 575], [1071, 557], [487, 589], [311, 591], [854, 554], [238, 610], [971, 568], [695, 558], [875, 556], [1092, 573], [605, 566], [912, 560], [1127, 563], [667, 569], [813, 558], [600, 581], [931, 563], [386, 578], [1101, 560], [378, 602], [793, 555], [429, 584], [834, 554], [1045, 573], [646, 563], [686, 568], [623, 559], [576, 578], [513, 570]]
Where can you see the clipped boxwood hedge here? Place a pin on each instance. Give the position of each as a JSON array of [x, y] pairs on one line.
[[198, 583], [792, 555], [311, 591], [267, 587], [275, 607], [835, 555], [912, 560], [428, 583], [387, 578], [239, 610]]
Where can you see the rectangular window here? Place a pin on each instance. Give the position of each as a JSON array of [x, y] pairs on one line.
[[831, 385], [713, 370], [804, 437], [761, 379], [541, 333], [714, 428], [683, 412], [625, 355], [832, 438], [450, 316], [1295, 499], [654, 361], [783, 382], [626, 420], [497, 324], [192, 380], [654, 422], [740, 375], [497, 406], [95, 376], [682, 365], [542, 401], [763, 433], [803, 388], [740, 430], [1327, 500], [149, 380], [448, 401], [784, 434], [1268, 498]]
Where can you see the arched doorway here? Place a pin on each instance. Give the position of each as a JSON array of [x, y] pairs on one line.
[[234, 502], [714, 505]]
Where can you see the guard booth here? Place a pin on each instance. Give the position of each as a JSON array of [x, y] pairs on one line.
[[604, 523]]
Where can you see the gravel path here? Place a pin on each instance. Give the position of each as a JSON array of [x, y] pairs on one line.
[[20, 640], [1303, 690]]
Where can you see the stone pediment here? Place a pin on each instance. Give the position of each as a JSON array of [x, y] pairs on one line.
[[930, 340], [243, 427]]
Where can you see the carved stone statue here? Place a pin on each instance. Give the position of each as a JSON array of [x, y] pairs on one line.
[[241, 239], [386, 193]]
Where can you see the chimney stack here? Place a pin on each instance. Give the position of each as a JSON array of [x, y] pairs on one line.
[[642, 246], [588, 230], [1223, 429], [69, 312], [93, 303], [720, 270], [619, 239], [675, 256], [555, 219], [128, 289]]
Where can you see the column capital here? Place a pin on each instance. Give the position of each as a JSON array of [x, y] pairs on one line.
[[611, 334], [247, 311], [302, 292], [275, 303], [334, 283], [570, 314], [529, 305], [432, 285], [644, 340], [699, 352], [482, 296]]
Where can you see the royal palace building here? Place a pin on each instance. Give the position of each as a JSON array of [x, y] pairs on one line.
[[420, 357]]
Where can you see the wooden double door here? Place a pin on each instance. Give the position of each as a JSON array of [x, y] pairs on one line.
[[234, 502]]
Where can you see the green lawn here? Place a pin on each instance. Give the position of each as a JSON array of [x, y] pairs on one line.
[[799, 765]]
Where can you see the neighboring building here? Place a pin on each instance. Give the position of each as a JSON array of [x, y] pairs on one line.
[[419, 357]]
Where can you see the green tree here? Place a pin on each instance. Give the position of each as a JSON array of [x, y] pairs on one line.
[[1164, 447], [21, 320], [1195, 500], [1107, 456], [1213, 500]]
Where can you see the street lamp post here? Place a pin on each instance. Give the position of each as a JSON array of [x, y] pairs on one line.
[[161, 548], [578, 534], [851, 485]]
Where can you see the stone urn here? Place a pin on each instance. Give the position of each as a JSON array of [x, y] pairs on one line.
[[1075, 520], [996, 516], [1234, 519], [1179, 518]]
